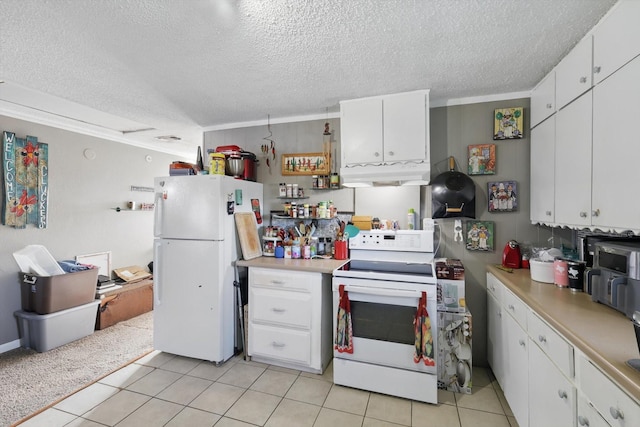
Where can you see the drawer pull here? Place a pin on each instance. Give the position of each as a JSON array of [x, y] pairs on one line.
[[278, 310], [521, 342], [597, 69], [542, 338], [583, 421], [562, 394], [583, 79], [511, 307], [616, 413], [277, 344], [277, 282]]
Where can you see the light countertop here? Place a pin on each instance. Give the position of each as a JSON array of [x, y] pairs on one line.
[[316, 265], [604, 335]]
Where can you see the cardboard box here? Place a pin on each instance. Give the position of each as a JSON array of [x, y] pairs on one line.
[[455, 333], [50, 294], [448, 268], [43, 332], [127, 302]]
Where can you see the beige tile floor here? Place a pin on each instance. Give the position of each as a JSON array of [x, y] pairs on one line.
[[166, 390]]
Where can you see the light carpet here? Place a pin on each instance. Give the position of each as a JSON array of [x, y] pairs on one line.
[[30, 381]]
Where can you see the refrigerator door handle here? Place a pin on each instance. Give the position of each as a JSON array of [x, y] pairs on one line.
[[158, 214], [157, 282]]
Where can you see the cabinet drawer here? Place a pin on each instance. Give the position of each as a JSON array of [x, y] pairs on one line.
[[280, 307], [279, 343], [558, 350], [515, 307], [293, 280], [494, 287], [617, 408], [587, 414]]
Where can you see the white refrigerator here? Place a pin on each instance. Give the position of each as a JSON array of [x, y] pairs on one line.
[[195, 246]]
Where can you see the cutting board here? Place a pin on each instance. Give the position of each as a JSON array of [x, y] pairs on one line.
[[247, 227]]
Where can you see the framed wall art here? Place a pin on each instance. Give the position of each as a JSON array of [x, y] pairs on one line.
[[502, 196], [482, 159], [306, 164], [508, 123], [479, 235]]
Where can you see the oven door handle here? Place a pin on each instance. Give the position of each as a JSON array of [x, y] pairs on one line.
[[383, 291]]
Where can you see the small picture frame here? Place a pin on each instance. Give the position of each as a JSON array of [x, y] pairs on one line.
[[502, 196], [479, 235], [508, 123], [482, 159], [306, 164]]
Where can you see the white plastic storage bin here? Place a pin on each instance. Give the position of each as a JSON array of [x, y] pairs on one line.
[[43, 332], [37, 259]]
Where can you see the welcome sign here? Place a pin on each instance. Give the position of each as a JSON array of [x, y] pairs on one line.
[[25, 181]]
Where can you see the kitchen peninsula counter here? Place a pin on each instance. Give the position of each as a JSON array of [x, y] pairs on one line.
[[603, 334], [316, 265]]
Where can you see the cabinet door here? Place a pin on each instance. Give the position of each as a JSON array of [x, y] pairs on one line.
[[405, 127], [361, 129], [573, 73], [616, 150], [516, 375], [543, 99], [616, 40], [542, 171], [495, 339], [573, 163], [552, 396]]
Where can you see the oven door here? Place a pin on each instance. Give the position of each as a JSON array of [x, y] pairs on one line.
[[382, 316]]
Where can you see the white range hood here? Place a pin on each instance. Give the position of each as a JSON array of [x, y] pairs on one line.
[[384, 174]]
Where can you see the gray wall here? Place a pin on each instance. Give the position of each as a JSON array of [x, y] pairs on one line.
[[453, 129], [81, 219]]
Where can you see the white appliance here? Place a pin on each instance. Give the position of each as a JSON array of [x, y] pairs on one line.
[[195, 246], [387, 273]]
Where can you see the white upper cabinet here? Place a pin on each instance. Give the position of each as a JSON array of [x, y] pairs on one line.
[[543, 99], [573, 163], [542, 171], [616, 150], [616, 40], [390, 128], [573, 73]]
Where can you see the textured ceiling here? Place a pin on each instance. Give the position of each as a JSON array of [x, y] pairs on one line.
[[178, 65]]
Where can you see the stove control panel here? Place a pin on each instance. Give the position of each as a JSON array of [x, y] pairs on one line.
[[399, 240]]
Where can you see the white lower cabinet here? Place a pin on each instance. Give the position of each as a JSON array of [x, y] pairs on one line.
[[615, 406], [552, 397], [561, 386], [290, 318]]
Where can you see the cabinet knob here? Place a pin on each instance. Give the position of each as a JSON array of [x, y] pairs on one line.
[[376, 154], [583, 214], [542, 338], [595, 213], [597, 69], [521, 342], [547, 213], [511, 307], [562, 394], [583, 79], [616, 413], [391, 153], [499, 314], [583, 421], [549, 105]]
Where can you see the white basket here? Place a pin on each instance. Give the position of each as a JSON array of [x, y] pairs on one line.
[[541, 271], [36, 259]]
